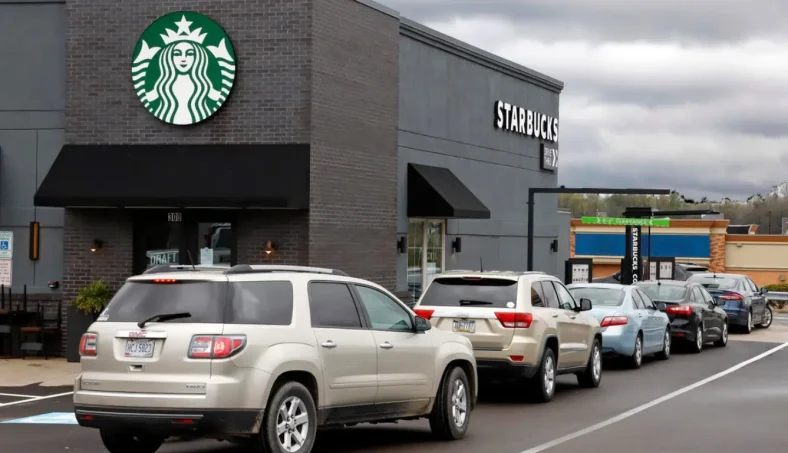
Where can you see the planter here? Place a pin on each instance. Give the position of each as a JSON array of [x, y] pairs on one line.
[[78, 323]]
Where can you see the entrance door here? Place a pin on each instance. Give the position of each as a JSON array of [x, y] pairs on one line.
[[191, 237]]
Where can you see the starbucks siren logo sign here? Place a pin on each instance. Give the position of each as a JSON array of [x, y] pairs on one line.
[[183, 68]]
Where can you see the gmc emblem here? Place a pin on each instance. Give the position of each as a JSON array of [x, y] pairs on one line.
[[137, 334]]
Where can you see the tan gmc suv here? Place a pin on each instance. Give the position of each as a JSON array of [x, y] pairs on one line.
[[522, 325], [263, 356]]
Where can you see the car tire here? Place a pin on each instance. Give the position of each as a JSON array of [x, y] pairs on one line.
[[768, 317], [696, 345], [542, 386], [297, 403], [723, 341], [664, 354], [592, 375], [448, 420], [748, 326], [636, 359], [121, 441]]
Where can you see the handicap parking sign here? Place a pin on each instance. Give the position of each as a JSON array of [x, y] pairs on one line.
[[6, 244], [52, 418]]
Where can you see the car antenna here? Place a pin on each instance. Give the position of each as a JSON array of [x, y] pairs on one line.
[[481, 264], [191, 261]]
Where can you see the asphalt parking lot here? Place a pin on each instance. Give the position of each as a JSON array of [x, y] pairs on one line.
[[690, 403]]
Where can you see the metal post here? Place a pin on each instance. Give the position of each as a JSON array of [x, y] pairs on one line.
[[530, 251]]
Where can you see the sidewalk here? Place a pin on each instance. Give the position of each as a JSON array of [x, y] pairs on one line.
[[55, 372]]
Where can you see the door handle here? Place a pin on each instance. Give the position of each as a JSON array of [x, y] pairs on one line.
[[573, 317], [555, 315], [329, 344], [386, 345]]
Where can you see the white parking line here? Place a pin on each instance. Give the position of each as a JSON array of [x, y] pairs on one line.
[[35, 398], [651, 404], [15, 395]]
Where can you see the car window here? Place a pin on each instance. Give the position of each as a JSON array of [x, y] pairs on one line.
[[565, 299], [603, 297], [663, 293], [269, 303], [649, 304], [724, 283], [550, 295], [706, 296], [639, 304], [537, 295], [697, 296], [384, 313], [752, 284], [332, 305], [470, 292], [679, 273], [205, 301]]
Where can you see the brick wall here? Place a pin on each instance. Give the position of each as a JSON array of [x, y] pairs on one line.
[[288, 230], [571, 244], [717, 253], [355, 79], [270, 98]]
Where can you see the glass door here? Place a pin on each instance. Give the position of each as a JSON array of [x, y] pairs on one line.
[[157, 240], [426, 252], [211, 237]]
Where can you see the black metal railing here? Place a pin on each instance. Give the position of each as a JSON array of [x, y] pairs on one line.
[[30, 324]]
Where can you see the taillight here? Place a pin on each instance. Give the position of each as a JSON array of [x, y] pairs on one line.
[[732, 296], [514, 320], [608, 321], [215, 346], [88, 345], [682, 310], [423, 313]]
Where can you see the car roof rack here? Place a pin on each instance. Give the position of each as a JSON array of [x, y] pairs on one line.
[[183, 267], [255, 268]]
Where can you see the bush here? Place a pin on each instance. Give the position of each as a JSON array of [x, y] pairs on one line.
[[779, 287], [92, 299]]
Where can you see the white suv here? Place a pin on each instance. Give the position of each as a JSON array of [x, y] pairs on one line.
[[263, 355]]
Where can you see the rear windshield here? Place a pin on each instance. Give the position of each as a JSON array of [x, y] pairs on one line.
[[715, 282], [269, 302], [606, 297], [664, 293], [464, 292]]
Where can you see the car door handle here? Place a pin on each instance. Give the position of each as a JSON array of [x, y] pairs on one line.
[[555, 315], [573, 317], [386, 345], [329, 344]]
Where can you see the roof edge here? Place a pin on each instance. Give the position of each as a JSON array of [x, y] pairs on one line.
[[434, 38], [381, 8]]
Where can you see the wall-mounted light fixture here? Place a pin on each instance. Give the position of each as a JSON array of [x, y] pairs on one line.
[[98, 244], [456, 245], [402, 244], [270, 249], [554, 245], [35, 237]]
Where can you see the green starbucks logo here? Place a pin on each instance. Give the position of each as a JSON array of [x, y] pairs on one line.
[[183, 68]]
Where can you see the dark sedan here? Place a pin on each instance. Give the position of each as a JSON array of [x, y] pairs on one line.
[[683, 271], [693, 313], [740, 297]]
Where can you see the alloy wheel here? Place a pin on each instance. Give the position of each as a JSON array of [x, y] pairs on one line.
[[459, 403], [667, 343], [725, 333], [549, 376], [638, 351], [767, 317], [749, 321], [699, 338], [596, 367], [292, 424]]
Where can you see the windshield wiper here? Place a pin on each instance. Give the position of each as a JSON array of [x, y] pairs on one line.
[[475, 302], [164, 317]]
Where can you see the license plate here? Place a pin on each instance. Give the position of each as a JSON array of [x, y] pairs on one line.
[[139, 348], [464, 326]]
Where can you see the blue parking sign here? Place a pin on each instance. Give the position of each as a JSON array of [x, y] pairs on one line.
[[3, 245]]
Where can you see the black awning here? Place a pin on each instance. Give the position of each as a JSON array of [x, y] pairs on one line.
[[437, 192], [226, 176]]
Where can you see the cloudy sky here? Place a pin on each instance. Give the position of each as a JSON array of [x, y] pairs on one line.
[[686, 94]]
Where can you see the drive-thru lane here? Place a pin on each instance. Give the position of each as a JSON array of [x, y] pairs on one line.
[[690, 421]]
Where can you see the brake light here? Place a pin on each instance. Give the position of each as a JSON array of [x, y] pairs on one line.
[[215, 346], [88, 345], [732, 296], [514, 320], [423, 313], [474, 277], [608, 321], [164, 280], [682, 310]]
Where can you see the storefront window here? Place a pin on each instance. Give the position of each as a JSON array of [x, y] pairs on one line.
[[215, 243], [425, 253], [162, 241]]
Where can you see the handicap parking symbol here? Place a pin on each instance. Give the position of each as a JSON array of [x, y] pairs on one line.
[[52, 418], [4, 245]]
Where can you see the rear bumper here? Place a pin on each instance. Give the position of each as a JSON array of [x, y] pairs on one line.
[[170, 421], [684, 328], [619, 340], [737, 316], [503, 369]]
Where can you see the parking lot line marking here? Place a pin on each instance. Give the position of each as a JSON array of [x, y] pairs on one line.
[[35, 398], [651, 403], [16, 395]]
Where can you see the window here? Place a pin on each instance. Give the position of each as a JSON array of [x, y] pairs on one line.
[[647, 302], [537, 295], [603, 297], [715, 282], [550, 295], [696, 297], [457, 292], [269, 303], [638, 301], [663, 293], [706, 296], [216, 243], [426, 238], [332, 305], [136, 301], [752, 284], [565, 299], [384, 313]]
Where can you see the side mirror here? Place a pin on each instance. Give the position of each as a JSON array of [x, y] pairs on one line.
[[764, 290], [422, 325], [661, 306], [585, 304], [617, 276]]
